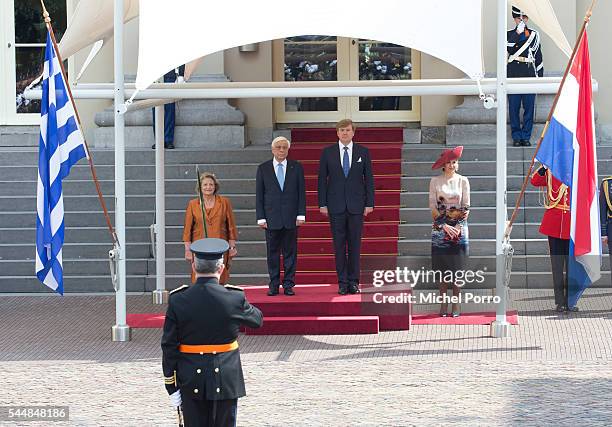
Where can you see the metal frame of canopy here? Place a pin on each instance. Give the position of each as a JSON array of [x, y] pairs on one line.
[[160, 94]]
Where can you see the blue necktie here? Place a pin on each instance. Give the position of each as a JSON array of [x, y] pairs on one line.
[[280, 175], [346, 164]]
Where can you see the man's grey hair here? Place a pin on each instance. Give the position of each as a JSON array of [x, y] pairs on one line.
[[279, 139], [207, 266]]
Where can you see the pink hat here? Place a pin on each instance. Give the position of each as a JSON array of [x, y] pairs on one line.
[[448, 156]]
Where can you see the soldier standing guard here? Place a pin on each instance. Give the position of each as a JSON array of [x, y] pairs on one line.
[[556, 225], [524, 60], [605, 212], [201, 360]]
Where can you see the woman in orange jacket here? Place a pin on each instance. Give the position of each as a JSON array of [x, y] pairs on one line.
[[220, 222]]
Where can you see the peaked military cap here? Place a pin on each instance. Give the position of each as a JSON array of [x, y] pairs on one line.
[[517, 13], [209, 248]]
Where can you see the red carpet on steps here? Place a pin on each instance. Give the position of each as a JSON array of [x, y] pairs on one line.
[[317, 308]]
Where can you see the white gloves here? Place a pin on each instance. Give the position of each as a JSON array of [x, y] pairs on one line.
[[175, 399], [180, 79], [520, 28]]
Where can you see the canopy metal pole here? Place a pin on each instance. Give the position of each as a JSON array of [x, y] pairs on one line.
[[500, 327], [120, 331], [169, 92], [160, 294]]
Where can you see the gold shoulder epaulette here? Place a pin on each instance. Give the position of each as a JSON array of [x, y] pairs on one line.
[[234, 288], [607, 178], [180, 288]]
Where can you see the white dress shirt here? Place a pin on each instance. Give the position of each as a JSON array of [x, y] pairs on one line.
[[275, 163]]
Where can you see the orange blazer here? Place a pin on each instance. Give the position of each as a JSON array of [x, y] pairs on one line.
[[220, 221]]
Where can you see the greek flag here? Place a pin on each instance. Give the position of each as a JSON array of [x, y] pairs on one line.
[[61, 145]]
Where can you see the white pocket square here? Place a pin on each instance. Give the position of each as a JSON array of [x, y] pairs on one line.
[[358, 161]]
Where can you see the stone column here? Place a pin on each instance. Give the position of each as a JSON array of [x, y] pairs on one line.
[[201, 123]]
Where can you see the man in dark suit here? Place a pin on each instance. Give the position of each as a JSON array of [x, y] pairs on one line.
[[346, 195], [200, 356], [281, 209]]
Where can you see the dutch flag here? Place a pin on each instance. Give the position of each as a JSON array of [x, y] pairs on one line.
[[61, 145], [568, 150]]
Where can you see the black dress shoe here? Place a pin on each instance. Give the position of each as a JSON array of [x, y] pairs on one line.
[[342, 291], [525, 143], [170, 146], [272, 292], [560, 308], [353, 289], [516, 143], [289, 292]]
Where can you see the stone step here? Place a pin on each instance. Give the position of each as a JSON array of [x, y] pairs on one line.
[[230, 186], [22, 219], [135, 234], [175, 249], [90, 202], [82, 267], [248, 170], [102, 283], [258, 154], [429, 152], [251, 154], [257, 248]]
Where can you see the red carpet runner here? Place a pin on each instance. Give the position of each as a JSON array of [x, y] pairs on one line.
[[317, 308]]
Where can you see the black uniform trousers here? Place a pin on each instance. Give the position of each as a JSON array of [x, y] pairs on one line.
[[521, 132], [346, 231], [203, 413], [609, 234], [559, 254], [285, 241], [169, 113]]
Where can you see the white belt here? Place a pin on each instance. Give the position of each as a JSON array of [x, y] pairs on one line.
[[522, 59]]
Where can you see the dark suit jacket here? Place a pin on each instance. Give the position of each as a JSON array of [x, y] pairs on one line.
[[280, 208], [352, 193], [205, 313]]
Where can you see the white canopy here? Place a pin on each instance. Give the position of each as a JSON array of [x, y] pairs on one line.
[[92, 21], [170, 36], [542, 13], [164, 30]]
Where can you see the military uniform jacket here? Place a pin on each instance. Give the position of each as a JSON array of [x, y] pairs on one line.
[[532, 53], [206, 313], [557, 218], [605, 206]]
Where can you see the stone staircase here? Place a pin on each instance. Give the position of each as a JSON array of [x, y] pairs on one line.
[[87, 240]]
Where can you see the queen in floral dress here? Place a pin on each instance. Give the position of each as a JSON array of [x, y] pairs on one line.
[[449, 201]]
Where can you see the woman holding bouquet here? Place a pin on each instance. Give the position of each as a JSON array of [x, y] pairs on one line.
[[449, 201]]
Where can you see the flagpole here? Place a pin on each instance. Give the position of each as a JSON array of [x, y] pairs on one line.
[[587, 19], [201, 196], [120, 331], [500, 328], [109, 224]]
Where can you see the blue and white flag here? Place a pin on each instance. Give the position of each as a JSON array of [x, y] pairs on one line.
[[61, 145]]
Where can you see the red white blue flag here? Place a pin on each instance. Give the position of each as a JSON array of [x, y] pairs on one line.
[[568, 150]]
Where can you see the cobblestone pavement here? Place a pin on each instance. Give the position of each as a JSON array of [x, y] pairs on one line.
[[554, 369]]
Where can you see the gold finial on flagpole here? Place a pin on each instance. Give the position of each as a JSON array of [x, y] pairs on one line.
[[45, 13]]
